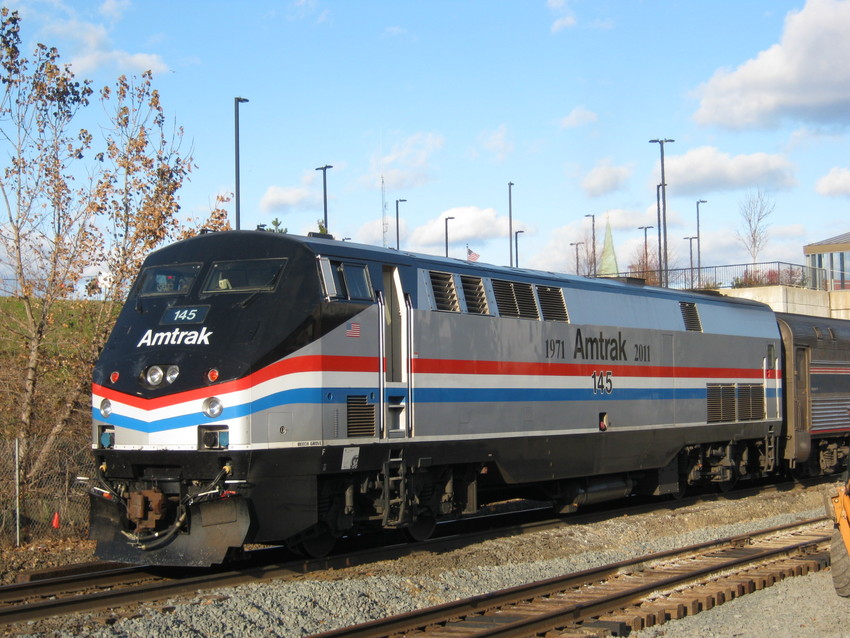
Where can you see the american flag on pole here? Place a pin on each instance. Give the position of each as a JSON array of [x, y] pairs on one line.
[[471, 255], [352, 329]]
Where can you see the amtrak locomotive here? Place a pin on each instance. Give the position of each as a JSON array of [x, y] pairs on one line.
[[262, 388]]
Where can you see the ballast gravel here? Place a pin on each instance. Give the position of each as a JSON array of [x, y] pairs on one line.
[[804, 606]]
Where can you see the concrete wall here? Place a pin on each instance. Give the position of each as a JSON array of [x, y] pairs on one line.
[[839, 303], [817, 303]]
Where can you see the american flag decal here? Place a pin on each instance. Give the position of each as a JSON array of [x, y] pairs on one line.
[[352, 329]]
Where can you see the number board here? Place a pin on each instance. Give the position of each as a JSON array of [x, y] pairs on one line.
[[189, 314]]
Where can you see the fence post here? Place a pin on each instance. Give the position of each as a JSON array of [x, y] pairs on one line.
[[17, 493]]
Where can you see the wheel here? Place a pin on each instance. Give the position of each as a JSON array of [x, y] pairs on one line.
[[315, 544], [421, 529], [840, 560]]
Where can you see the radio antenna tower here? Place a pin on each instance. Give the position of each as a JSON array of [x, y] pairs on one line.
[[384, 222]]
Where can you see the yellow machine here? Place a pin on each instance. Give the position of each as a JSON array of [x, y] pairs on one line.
[[839, 551]]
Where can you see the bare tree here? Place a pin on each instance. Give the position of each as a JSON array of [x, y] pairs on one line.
[[755, 208], [65, 215], [135, 206], [45, 237]]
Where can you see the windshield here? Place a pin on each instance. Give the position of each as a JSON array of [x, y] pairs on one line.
[[176, 279], [255, 275]]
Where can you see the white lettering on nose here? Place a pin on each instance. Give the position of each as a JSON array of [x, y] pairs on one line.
[[175, 337]]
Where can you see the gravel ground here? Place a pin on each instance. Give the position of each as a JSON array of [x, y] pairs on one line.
[[801, 606]]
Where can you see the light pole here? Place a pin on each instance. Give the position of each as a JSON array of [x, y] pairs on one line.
[[236, 102], [661, 143], [447, 235], [396, 222], [660, 267], [699, 246], [516, 245], [691, 242], [645, 251], [577, 244], [324, 170], [510, 223], [593, 242]]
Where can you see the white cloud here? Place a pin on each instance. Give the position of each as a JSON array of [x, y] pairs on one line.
[[802, 77], [92, 49], [835, 183], [496, 143], [408, 164], [579, 116], [114, 8], [705, 169], [285, 198], [564, 19], [605, 178], [564, 22], [469, 223]]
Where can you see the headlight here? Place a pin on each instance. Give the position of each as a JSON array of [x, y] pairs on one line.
[[213, 407], [105, 408], [171, 374], [154, 375]]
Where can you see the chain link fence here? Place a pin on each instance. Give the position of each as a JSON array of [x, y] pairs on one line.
[[53, 504]]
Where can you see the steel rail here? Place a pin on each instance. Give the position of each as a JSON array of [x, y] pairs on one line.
[[478, 605]]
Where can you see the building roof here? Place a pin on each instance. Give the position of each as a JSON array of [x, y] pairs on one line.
[[838, 243]]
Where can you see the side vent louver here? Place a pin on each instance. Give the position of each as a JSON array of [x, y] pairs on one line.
[[690, 315], [552, 303], [361, 416], [721, 402], [476, 298], [750, 402], [445, 295], [515, 299], [731, 402]]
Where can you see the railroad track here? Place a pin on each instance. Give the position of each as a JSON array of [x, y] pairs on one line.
[[109, 589], [624, 596]]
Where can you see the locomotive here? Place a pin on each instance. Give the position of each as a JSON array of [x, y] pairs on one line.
[[269, 388]]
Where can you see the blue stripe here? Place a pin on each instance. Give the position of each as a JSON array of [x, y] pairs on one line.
[[317, 396]]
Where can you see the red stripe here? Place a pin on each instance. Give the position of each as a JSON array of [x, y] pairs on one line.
[[530, 368], [335, 363], [309, 363]]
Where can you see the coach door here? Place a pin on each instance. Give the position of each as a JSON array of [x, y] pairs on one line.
[[396, 386], [798, 405]]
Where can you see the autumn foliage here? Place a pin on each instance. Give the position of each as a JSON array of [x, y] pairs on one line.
[[78, 213]]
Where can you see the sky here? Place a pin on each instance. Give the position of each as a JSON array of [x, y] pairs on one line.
[[444, 103]]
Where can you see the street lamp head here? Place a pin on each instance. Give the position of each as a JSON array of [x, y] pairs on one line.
[[702, 201], [448, 218], [593, 216], [510, 183], [241, 100], [659, 141], [398, 201], [324, 168]]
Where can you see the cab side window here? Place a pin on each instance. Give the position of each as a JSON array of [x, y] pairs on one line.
[[344, 280]]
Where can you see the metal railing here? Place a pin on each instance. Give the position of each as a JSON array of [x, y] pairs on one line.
[[774, 273]]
